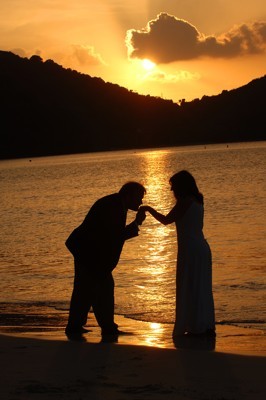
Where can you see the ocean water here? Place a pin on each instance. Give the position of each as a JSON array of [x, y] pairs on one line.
[[44, 199]]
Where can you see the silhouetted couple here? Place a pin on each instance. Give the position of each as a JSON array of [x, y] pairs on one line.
[[97, 244]]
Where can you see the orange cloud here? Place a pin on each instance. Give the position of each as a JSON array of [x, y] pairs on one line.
[[86, 55], [167, 39], [164, 77]]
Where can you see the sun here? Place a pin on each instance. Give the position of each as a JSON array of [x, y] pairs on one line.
[[148, 65]]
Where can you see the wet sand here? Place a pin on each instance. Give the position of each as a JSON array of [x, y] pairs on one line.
[[41, 363]]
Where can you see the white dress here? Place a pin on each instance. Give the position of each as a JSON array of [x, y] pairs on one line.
[[194, 299]]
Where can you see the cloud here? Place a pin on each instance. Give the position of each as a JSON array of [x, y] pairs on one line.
[[25, 54], [163, 77], [19, 51], [86, 55], [167, 39]]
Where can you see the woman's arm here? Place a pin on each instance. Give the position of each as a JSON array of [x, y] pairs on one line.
[[163, 219]]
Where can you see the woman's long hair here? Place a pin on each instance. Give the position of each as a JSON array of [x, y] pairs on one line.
[[184, 184]]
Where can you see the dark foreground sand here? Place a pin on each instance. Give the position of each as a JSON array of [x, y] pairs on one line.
[[42, 364]]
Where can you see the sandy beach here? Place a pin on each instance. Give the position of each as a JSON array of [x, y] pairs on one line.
[[145, 364]]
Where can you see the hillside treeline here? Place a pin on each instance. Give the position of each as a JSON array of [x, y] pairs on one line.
[[47, 110]]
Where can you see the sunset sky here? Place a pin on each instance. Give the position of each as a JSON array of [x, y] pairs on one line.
[[173, 49]]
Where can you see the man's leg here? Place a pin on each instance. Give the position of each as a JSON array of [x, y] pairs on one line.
[[103, 306], [79, 304]]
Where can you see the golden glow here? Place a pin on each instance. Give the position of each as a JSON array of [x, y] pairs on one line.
[[155, 337], [155, 326], [159, 243], [90, 37], [141, 71], [148, 65], [157, 181]]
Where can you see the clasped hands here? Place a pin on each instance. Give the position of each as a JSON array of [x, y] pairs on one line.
[[141, 214]]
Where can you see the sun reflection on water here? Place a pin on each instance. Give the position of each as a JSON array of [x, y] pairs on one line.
[[158, 239], [155, 336], [156, 169], [157, 249]]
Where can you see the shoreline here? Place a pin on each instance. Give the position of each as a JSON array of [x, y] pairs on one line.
[[229, 338], [45, 365], [41, 363]]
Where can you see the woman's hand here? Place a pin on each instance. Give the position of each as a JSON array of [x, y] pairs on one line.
[[164, 219], [145, 209]]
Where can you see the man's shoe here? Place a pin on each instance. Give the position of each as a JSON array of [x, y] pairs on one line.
[[123, 333], [79, 331], [114, 332], [84, 330]]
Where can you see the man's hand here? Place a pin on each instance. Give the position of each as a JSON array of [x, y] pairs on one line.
[[140, 216]]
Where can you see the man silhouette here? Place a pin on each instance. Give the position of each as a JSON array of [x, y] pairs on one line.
[[96, 246]]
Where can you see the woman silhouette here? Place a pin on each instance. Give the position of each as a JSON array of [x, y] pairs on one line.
[[194, 299]]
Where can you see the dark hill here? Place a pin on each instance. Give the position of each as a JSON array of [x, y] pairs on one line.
[[47, 109]]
